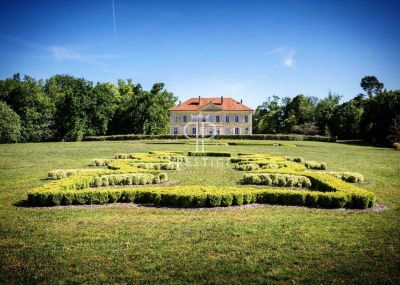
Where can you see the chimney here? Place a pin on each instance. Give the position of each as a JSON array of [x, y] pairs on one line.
[[222, 100], [199, 99], [241, 101], [180, 102]]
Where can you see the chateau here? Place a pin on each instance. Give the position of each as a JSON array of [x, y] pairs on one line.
[[224, 116]]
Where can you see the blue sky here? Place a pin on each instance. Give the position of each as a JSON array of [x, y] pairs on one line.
[[244, 49]]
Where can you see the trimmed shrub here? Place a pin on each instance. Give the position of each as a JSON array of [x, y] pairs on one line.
[[100, 162], [351, 177], [85, 187], [200, 196], [294, 159], [315, 165], [158, 166], [246, 167], [276, 179], [60, 173], [209, 153], [283, 137]]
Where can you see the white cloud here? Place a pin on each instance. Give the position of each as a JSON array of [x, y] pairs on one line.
[[287, 55], [61, 53], [288, 59]]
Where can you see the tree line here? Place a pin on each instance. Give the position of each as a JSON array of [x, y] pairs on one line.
[[372, 116], [66, 108]]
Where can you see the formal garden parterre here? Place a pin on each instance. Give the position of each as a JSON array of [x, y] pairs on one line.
[[266, 179]]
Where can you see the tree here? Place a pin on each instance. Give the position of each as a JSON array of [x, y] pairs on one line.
[[394, 130], [379, 114], [371, 85], [267, 117], [10, 125], [345, 122], [298, 111], [142, 112], [35, 109], [72, 98], [324, 111], [101, 108], [159, 103]]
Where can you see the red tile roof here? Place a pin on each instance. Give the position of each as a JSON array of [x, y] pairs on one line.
[[226, 104]]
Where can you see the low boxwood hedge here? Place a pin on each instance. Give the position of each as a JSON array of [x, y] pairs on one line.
[[294, 159], [128, 179], [60, 173], [64, 173], [360, 198], [283, 137], [351, 177], [209, 153], [86, 187], [315, 165], [246, 167], [276, 179], [158, 166], [194, 196]]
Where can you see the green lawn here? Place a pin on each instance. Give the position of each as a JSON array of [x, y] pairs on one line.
[[124, 243]]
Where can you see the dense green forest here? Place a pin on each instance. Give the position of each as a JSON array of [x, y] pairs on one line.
[[66, 108], [373, 116]]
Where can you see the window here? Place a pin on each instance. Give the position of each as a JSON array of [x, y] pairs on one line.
[[175, 131], [246, 131], [236, 119], [210, 131], [193, 131], [226, 119], [203, 118], [193, 118], [227, 131], [217, 119], [237, 131], [184, 118], [246, 119], [217, 131], [175, 119], [210, 119]]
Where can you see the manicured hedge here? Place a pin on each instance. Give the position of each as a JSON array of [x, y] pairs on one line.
[[142, 157], [276, 179], [294, 159], [285, 137], [100, 162], [60, 173], [158, 166], [255, 166], [193, 196], [359, 198], [84, 186], [152, 157], [246, 167], [64, 173], [264, 161], [315, 165], [244, 142], [351, 177], [128, 179], [209, 153]]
